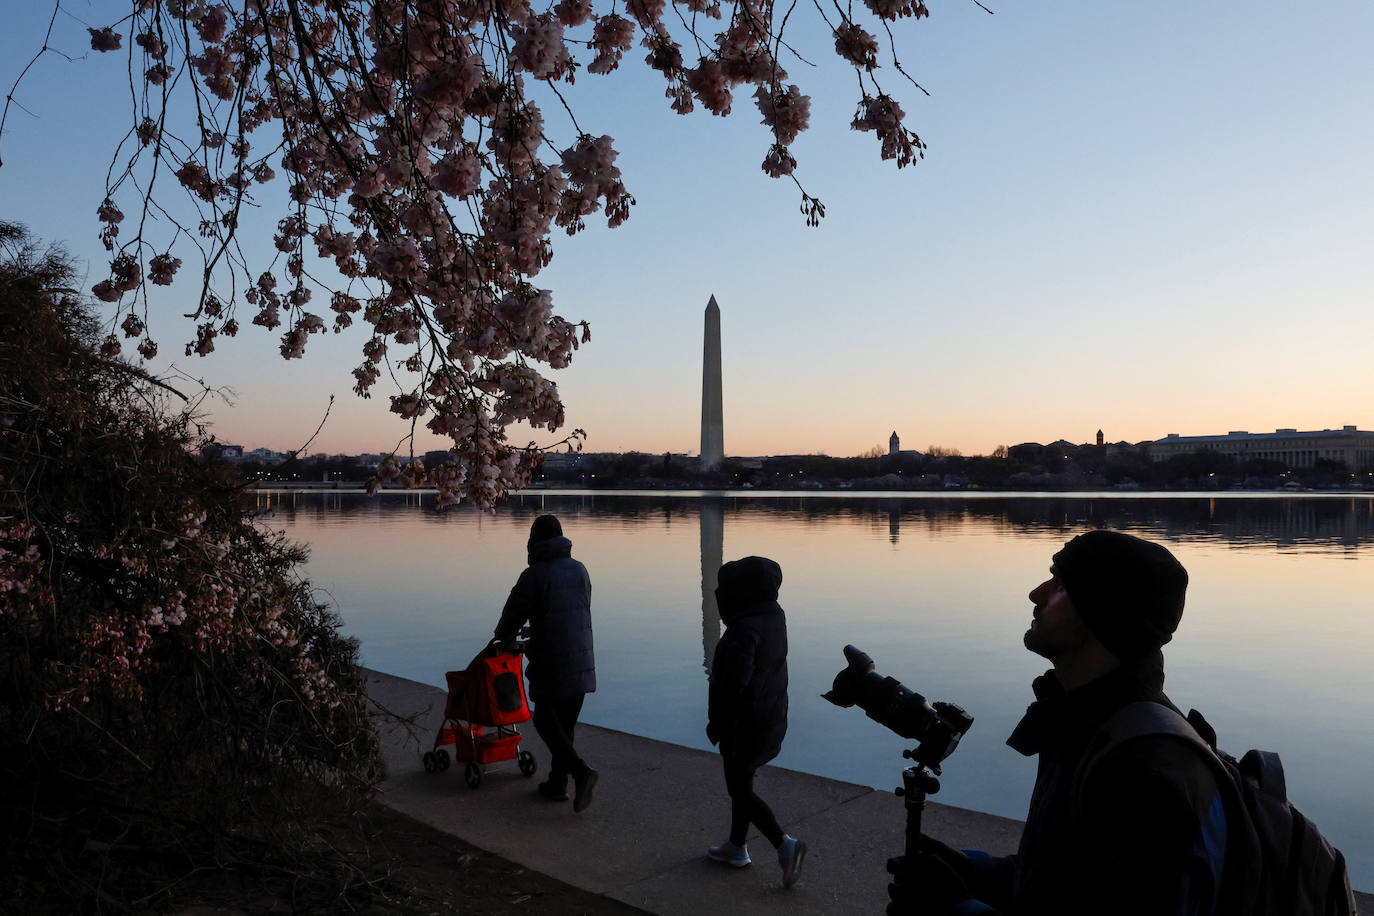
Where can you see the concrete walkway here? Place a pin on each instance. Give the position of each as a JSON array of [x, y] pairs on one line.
[[657, 808]]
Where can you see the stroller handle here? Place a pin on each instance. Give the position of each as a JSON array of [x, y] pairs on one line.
[[516, 644]]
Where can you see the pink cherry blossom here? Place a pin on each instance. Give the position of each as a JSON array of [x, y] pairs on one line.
[[105, 39], [896, 9], [573, 13], [162, 268], [612, 36], [149, 42], [857, 46], [211, 25], [108, 212], [539, 48], [883, 115], [710, 86], [779, 161], [787, 111]]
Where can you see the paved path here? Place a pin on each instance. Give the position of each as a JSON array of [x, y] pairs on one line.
[[657, 808]]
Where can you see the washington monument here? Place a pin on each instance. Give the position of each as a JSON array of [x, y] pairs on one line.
[[712, 417]]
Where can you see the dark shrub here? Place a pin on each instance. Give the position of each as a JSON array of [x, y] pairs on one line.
[[168, 685]]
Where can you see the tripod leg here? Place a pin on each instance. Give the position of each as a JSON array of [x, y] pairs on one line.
[[926, 878]]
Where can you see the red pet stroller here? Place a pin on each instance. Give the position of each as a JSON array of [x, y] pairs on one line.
[[485, 703]]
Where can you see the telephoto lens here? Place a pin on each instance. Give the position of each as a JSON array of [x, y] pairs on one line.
[[886, 701]]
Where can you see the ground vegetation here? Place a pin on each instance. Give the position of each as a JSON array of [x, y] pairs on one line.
[[172, 696]]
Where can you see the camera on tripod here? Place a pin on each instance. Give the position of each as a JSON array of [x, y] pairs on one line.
[[936, 727]]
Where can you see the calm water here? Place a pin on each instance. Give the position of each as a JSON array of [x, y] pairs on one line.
[[1275, 646]]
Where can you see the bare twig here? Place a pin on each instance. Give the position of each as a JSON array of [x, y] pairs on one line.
[[20, 78], [329, 407]]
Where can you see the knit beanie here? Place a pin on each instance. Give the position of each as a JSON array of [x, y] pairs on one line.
[[1128, 591], [545, 527]]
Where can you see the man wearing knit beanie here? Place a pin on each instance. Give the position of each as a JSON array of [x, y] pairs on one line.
[[1124, 592], [554, 595], [1136, 829]]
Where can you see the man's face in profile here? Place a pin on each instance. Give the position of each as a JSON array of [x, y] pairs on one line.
[[1056, 629]]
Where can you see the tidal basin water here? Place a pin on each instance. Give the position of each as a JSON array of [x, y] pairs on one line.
[[1276, 644]]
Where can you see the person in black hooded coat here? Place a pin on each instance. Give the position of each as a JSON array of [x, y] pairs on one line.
[[747, 712], [554, 594]]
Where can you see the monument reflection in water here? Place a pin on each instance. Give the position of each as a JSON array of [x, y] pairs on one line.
[[1274, 647], [712, 558]]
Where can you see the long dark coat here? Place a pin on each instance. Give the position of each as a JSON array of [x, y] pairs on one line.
[[554, 595], [748, 695]]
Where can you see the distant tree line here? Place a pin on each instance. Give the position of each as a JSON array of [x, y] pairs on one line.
[[312, 467], [1059, 466]]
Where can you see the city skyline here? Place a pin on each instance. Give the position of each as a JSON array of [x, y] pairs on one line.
[[1143, 220], [1171, 440]]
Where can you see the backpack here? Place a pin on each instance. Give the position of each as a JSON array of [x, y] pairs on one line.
[[1277, 861]]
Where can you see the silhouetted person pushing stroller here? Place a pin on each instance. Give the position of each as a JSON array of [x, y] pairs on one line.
[[554, 595]]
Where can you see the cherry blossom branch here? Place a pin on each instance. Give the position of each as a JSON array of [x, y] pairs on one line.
[[419, 167]]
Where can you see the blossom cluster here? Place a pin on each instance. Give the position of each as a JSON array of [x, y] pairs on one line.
[[108, 597], [24, 594], [883, 115], [181, 582], [413, 162]]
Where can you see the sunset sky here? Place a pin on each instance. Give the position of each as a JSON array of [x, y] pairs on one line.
[[1144, 218]]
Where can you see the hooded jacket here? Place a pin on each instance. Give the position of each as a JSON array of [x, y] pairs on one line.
[[554, 594], [747, 713]]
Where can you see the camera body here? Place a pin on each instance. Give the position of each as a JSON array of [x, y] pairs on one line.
[[936, 727]]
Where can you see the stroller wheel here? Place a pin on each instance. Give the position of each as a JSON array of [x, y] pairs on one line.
[[428, 761], [527, 763], [472, 774], [441, 760]]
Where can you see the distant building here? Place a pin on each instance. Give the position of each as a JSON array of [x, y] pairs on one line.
[[1099, 438], [567, 460], [1297, 449], [216, 450], [263, 456], [437, 457], [561, 459], [894, 447]]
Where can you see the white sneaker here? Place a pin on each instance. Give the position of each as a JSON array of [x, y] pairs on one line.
[[791, 852], [728, 853]]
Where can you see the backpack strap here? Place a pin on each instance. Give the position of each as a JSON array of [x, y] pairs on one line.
[[1137, 720], [1145, 717]]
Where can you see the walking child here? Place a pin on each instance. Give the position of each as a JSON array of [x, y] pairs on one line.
[[747, 715]]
